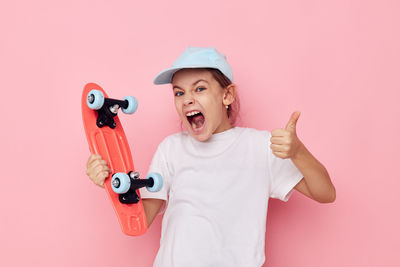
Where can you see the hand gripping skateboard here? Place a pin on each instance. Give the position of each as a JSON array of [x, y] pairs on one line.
[[106, 137]]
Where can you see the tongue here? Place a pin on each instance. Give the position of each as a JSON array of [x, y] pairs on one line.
[[198, 121]]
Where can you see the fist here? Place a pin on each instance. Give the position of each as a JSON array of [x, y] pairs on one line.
[[284, 142], [97, 169]]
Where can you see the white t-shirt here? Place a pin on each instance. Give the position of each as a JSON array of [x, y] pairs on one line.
[[216, 196]]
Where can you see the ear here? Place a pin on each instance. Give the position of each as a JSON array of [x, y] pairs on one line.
[[229, 94]]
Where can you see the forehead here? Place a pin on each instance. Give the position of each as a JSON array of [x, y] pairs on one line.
[[188, 76]]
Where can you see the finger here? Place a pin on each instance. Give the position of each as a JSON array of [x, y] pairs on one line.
[[281, 140], [102, 162], [291, 125], [92, 158], [278, 132], [281, 155], [278, 140], [279, 148], [94, 171], [98, 162], [95, 156], [101, 168], [100, 177]]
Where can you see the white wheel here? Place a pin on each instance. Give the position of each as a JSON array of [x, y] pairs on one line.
[[95, 99], [158, 182], [132, 105], [120, 183]]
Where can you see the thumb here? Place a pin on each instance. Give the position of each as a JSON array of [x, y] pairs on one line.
[[291, 125]]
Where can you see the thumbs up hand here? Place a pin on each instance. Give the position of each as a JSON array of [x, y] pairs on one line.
[[284, 142]]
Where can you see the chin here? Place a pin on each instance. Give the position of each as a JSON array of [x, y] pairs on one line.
[[202, 138], [202, 135]]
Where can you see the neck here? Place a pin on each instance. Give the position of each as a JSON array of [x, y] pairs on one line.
[[225, 125]]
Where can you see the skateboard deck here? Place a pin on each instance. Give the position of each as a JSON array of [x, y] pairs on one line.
[[112, 145]]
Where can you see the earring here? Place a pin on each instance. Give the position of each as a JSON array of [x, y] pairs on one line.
[[226, 107]]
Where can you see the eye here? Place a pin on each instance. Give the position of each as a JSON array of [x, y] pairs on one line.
[[178, 93], [199, 89]]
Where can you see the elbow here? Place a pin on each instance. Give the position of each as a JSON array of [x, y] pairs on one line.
[[328, 198]]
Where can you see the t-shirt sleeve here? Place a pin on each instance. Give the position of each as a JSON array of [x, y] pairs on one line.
[[159, 165], [283, 173]]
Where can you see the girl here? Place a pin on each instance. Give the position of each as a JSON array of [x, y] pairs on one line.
[[218, 177]]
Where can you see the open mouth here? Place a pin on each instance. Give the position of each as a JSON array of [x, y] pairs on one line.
[[196, 119]]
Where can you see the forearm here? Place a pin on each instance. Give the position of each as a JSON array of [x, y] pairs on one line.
[[151, 208], [315, 175]]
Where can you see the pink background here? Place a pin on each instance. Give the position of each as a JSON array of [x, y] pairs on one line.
[[335, 61]]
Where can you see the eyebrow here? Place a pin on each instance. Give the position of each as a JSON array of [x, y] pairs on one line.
[[201, 80]]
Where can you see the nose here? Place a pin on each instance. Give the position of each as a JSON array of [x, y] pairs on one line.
[[189, 100]]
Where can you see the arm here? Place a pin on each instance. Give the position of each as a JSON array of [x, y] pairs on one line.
[[316, 183], [98, 171], [151, 208]]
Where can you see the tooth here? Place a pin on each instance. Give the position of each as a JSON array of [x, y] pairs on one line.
[[192, 113]]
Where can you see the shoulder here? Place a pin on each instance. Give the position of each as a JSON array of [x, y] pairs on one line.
[[255, 134], [255, 139], [172, 140], [175, 137]]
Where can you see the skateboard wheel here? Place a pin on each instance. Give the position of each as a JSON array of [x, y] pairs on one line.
[[132, 105], [95, 99], [158, 182], [120, 183]]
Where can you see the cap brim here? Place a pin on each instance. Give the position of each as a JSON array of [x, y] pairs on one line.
[[166, 75]]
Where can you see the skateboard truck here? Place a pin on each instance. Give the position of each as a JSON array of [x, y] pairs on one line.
[[107, 108], [126, 185]]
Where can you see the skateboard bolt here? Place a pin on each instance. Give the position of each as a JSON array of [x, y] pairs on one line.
[[91, 98], [116, 183], [134, 175], [114, 109]]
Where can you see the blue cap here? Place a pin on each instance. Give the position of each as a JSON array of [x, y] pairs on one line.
[[196, 57]]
